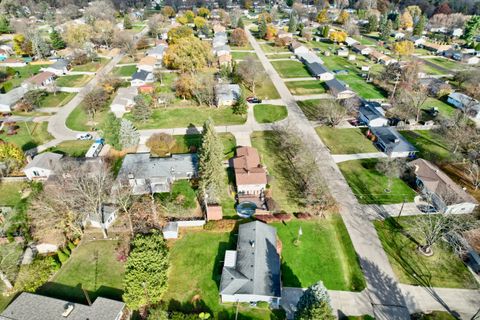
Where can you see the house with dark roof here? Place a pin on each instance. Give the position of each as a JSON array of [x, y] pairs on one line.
[[361, 49], [388, 140], [250, 175], [59, 67], [29, 306], [141, 77], [42, 166], [252, 272], [338, 89], [319, 71], [372, 115], [445, 194]]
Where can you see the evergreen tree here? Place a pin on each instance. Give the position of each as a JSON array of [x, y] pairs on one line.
[[141, 110], [472, 27], [420, 26], [111, 131], [210, 168], [262, 29], [396, 22], [372, 25], [289, 3], [56, 40], [129, 136], [292, 24], [241, 106], [240, 23], [127, 23], [4, 24], [325, 31], [314, 304], [386, 30], [41, 49]]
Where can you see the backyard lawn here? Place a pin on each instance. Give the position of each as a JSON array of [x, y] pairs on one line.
[[291, 69], [285, 55], [361, 87], [10, 193], [443, 269], [267, 113], [75, 81], [243, 55], [270, 47], [345, 141], [369, 185], [72, 148], [92, 265], [265, 91], [23, 74], [299, 88], [29, 135], [56, 100], [446, 63], [91, 66], [125, 71], [444, 108], [325, 252], [430, 145]]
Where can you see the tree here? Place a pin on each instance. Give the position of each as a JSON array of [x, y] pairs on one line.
[[199, 22], [459, 134], [4, 24], [56, 40], [127, 22], [241, 106], [322, 17], [210, 168], [271, 33], [240, 23], [251, 73], [472, 27], [34, 97], [372, 25], [292, 24], [403, 48], [472, 167], [409, 102], [406, 20], [104, 31], [77, 34], [129, 136], [21, 45], [190, 15], [184, 86], [396, 22], [386, 30], [343, 17], [141, 111], [95, 101], [262, 29], [111, 130], [188, 55], [157, 24], [337, 36], [168, 11], [161, 144], [124, 41], [392, 168], [99, 10], [443, 8], [11, 156], [330, 112], [314, 304], [175, 34], [415, 12], [238, 37], [203, 89], [420, 26], [146, 271], [203, 12]]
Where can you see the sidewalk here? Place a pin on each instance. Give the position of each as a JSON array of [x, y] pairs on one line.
[[357, 156]]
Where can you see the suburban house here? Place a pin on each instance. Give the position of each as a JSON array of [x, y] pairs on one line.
[[309, 57], [342, 52], [398, 35], [250, 175], [319, 71], [389, 141], [372, 116], [124, 101], [361, 49], [435, 47], [339, 90], [9, 99], [252, 272], [350, 41], [42, 166], [470, 59], [284, 34], [462, 101], [227, 94], [296, 47], [108, 215], [221, 50], [224, 59], [142, 77], [147, 174], [29, 306], [381, 58], [59, 67], [417, 41], [157, 52], [445, 194], [148, 63], [39, 81], [13, 62]]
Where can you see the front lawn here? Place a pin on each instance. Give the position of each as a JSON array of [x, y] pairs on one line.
[[125, 71], [79, 120], [361, 87], [91, 66], [369, 185], [265, 91], [267, 113], [23, 73], [430, 145], [185, 117], [345, 141], [29, 135], [243, 55], [325, 252], [72, 148], [93, 266], [74, 81], [270, 47], [56, 100], [192, 142], [11, 193], [291, 69], [307, 87], [309, 108], [443, 269], [285, 55]]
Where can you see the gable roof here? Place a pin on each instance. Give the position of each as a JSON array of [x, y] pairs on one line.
[[255, 268], [336, 86], [393, 141], [370, 112], [141, 75], [60, 64], [248, 169], [38, 79], [316, 68], [159, 50], [12, 96], [46, 160], [227, 92]]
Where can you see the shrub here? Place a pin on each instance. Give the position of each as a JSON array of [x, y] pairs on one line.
[[303, 215], [62, 257], [32, 276], [283, 216], [54, 263], [70, 245], [161, 144]]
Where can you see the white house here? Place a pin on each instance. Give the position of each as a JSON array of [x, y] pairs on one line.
[[417, 41], [142, 77], [462, 101], [361, 49], [398, 35], [39, 81], [123, 101], [350, 41], [157, 52], [296, 47], [372, 116], [59, 67], [227, 94], [342, 52], [338, 89], [457, 32], [42, 166]]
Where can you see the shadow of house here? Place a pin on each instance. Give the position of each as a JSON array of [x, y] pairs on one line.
[[77, 294]]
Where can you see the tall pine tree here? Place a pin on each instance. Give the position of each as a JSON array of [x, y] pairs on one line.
[[240, 23], [129, 136], [420, 26], [56, 40], [210, 169], [262, 29], [127, 23], [4, 24], [292, 24]]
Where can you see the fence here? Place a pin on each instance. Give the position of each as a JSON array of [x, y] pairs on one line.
[[191, 223]]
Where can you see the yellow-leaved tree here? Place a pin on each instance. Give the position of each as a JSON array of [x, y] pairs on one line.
[[322, 17], [403, 48], [337, 36], [343, 17], [12, 156], [406, 20]]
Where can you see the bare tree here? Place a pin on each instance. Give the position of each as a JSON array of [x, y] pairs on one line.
[[409, 103], [330, 112], [123, 197], [459, 133], [472, 167], [392, 168], [251, 73]]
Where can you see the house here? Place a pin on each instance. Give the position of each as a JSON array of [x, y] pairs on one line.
[[470, 59], [227, 94], [148, 63], [342, 52], [108, 214], [457, 32], [123, 101], [435, 47], [388, 140], [9, 99], [309, 57], [13, 62], [217, 28], [42, 166], [361, 49], [381, 58], [417, 41], [281, 34], [465, 103], [147, 174], [221, 50], [338, 89], [250, 175], [252, 272], [350, 41], [319, 71], [372, 116], [141, 77], [157, 52], [445, 194], [296, 47], [59, 67], [453, 54], [39, 81], [398, 35], [29, 306]]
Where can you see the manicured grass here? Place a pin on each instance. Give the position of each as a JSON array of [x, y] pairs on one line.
[[345, 141], [92, 265], [192, 142], [322, 45], [26, 139], [279, 56], [267, 113], [75, 81], [444, 108], [125, 71], [184, 117], [434, 315], [431, 145], [428, 69], [245, 47], [243, 55], [91, 66], [446, 63], [10, 193], [306, 87], [78, 119], [72, 148], [23, 74], [265, 91], [271, 48], [443, 269], [291, 69], [369, 185], [361, 87], [365, 40], [194, 276], [56, 100], [325, 252], [308, 107]]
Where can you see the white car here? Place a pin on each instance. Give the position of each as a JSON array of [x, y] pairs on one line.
[[84, 136]]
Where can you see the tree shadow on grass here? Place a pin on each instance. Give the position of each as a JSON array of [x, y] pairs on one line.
[[195, 306]]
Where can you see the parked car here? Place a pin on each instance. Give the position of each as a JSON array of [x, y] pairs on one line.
[[84, 136], [433, 111], [254, 100], [6, 114], [427, 209]]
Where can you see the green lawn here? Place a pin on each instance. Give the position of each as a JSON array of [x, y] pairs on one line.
[[361, 87], [267, 113], [91, 66], [428, 69], [56, 100], [279, 56], [78, 119], [325, 253], [195, 272], [345, 141], [430, 145], [192, 142], [306, 87], [125, 71], [75, 81], [23, 74], [245, 47], [434, 315], [72, 148], [265, 91], [92, 265], [243, 55], [443, 269], [29, 135], [271, 48], [446, 63], [444, 108], [291, 69], [184, 117], [308, 107], [365, 40], [369, 185], [10, 193], [324, 46]]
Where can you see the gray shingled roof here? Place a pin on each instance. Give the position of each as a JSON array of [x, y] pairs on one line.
[[29, 306], [140, 75], [316, 68], [257, 268], [46, 160], [160, 49], [393, 140], [370, 112], [12, 96], [60, 64], [336, 85]]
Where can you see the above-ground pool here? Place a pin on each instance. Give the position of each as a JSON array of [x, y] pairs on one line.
[[246, 209]]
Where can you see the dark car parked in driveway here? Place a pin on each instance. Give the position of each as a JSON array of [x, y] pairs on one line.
[[254, 100]]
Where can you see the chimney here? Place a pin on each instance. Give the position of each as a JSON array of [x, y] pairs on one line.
[[68, 309]]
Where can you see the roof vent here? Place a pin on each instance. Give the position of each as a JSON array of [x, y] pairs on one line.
[[69, 308], [252, 243], [397, 140]]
